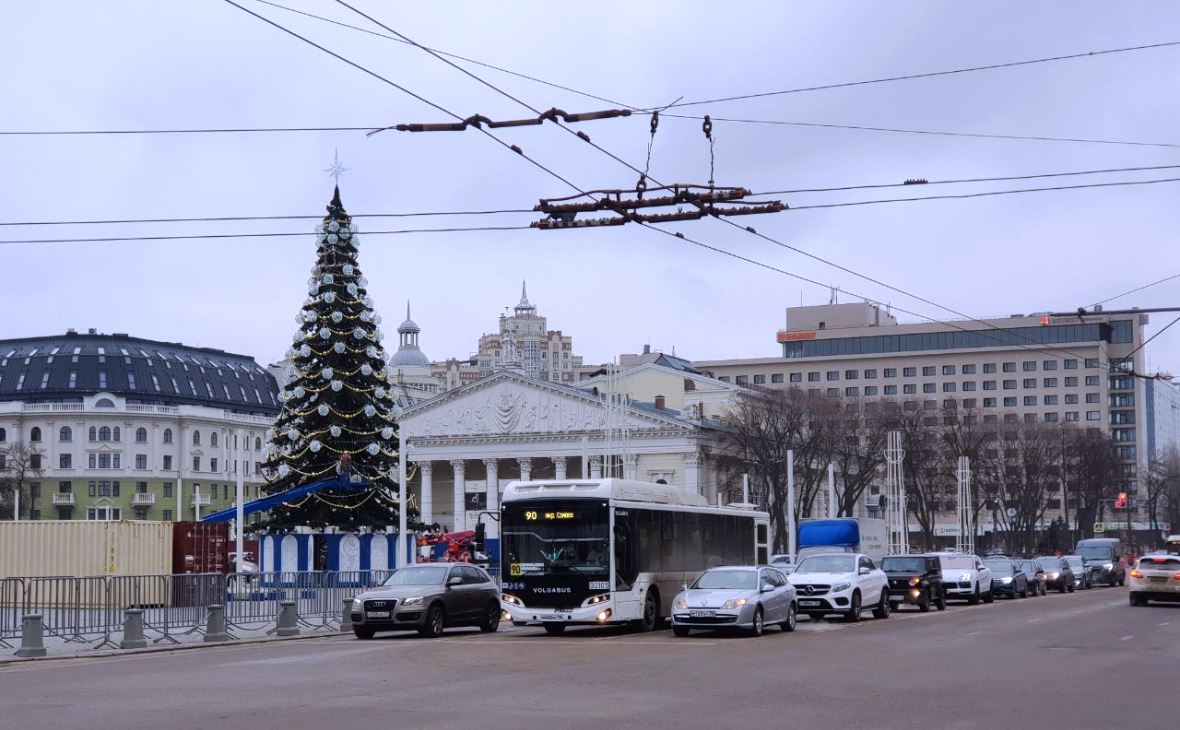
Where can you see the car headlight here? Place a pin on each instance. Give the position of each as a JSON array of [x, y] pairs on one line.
[[915, 581], [509, 598], [965, 576], [357, 603], [413, 601], [1054, 576], [734, 603], [841, 587], [1108, 566], [680, 602], [1006, 579]]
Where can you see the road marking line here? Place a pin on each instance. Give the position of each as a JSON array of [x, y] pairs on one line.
[[1033, 620], [1127, 638], [1165, 623]]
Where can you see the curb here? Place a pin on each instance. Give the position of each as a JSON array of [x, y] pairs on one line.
[[7, 661]]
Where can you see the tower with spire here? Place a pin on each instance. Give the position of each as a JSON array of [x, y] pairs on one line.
[[410, 372], [525, 344]]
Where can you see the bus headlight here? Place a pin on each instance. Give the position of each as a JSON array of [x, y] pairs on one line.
[[595, 600], [509, 598], [603, 615]]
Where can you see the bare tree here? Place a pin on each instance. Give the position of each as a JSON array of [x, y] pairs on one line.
[[858, 452], [1019, 477], [1163, 486], [1091, 474], [20, 467]]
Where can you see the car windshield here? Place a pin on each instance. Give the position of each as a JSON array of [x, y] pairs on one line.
[[827, 564], [957, 563], [423, 576], [903, 565], [1049, 563], [720, 580], [1001, 567], [1074, 561], [1096, 552]]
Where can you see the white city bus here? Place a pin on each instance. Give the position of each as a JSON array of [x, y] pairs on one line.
[[610, 551]]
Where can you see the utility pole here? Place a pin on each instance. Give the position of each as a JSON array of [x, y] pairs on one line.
[[791, 503], [966, 542], [897, 518]]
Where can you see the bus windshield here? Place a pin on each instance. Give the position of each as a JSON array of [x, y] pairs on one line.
[[550, 538]]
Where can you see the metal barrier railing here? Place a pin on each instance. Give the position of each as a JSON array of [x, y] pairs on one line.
[[91, 610]]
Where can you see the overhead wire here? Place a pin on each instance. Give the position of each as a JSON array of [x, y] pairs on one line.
[[930, 74], [1136, 290], [1143, 344], [241, 218], [280, 234]]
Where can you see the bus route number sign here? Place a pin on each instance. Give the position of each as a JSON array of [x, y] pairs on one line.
[[549, 516], [514, 569]]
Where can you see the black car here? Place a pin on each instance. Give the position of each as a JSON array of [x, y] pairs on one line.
[[1083, 575], [914, 579], [1036, 576], [1008, 577], [1058, 574]]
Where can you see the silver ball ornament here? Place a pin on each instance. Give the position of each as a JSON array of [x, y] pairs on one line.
[[337, 386], [323, 409], [315, 446]]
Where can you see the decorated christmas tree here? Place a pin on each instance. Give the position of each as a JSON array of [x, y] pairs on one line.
[[337, 418]]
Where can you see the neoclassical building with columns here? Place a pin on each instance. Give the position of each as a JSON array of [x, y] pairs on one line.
[[466, 444]]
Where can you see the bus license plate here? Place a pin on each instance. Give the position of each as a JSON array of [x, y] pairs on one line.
[[551, 617], [810, 604], [702, 614], [377, 614]]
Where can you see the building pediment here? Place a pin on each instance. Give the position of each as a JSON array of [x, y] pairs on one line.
[[508, 403]]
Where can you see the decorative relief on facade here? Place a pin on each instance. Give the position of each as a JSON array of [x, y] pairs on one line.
[[350, 553], [379, 553], [510, 408]]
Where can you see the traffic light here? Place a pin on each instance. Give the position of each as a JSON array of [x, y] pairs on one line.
[[1121, 502], [480, 534]]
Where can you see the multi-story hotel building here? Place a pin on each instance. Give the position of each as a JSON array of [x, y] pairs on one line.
[[119, 427], [1043, 368]]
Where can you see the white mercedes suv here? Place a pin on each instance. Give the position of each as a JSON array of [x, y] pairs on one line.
[[966, 576], [840, 583]]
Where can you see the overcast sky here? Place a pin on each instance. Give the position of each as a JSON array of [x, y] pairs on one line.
[[140, 64]]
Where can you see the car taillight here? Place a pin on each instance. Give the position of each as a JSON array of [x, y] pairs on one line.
[[1176, 576], [1136, 574]]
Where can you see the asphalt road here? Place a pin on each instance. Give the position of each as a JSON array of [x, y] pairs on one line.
[[1083, 660]]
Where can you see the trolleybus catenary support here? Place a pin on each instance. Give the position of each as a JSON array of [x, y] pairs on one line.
[[613, 551]]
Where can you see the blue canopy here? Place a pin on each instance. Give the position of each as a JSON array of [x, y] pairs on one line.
[[272, 500]]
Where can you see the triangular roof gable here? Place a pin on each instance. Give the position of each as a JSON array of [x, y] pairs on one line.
[[508, 402], [695, 377]]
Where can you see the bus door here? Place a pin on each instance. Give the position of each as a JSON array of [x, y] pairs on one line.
[[624, 547], [761, 542]]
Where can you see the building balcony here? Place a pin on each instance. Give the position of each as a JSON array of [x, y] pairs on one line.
[[143, 499], [200, 500], [63, 499]]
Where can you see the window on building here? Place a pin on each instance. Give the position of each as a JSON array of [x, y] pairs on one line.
[[850, 374], [967, 370], [776, 378], [738, 380], [1091, 362], [989, 402], [909, 372], [796, 377], [1071, 364], [141, 461], [989, 385], [723, 378], [1093, 398], [213, 439], [1049, 382], [1030, 383], [1071, 399], [1010, 401], [1009, 367], [167, 435], [870, 390], [1030, 418], [759, 379], [833, 375], [989, 367], [1030, 366], [1049, 365], [1071, 382], [990, 418], [167, 515], [1009, 385], [213, 465], [1071, 416], [116, 434], [167, 462], [969, 385], [1051, 418], [813, 377], [929, 370], [948, 387], [890, 372], [65, 461], [1091, 380], [196, 438], [1030, 400], [970, 403], [35, 462], [1050, 400], [929, 388], [1011, 418], [852, 392], [258, 441], [833, 392], [890, 390], [196, 463], [167, 489], [948, 369], [930, 405], [870, 374], [141, 435], [814, 392], [909, 389]]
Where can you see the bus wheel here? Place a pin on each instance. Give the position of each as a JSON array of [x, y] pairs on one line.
[[554, 628], [651, 611]]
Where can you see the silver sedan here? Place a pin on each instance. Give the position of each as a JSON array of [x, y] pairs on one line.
[[736, 597]]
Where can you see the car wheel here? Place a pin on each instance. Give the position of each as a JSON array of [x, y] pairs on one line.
[[1122, 581], [651, 609], [436, 621], [853, 612], [941, 600], [1024, 592], [973, 599], [1061, 587], [792, 619], [363, 632], [554, 628], [759, 626], [491, 621], [1072, 588], [1135, 600], [924, 601], [990, 596], [883, 606], [680, 630]]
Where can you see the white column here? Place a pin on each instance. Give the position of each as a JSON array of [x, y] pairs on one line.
[[596, 467], [426, 469], [460, 495], [403, 502], [526, 468], [239, 501], [791, 502], [692, 472], [181, 452], [559, 467], [493, 475], [630, 466]]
